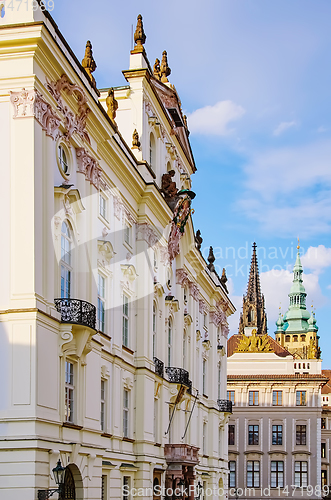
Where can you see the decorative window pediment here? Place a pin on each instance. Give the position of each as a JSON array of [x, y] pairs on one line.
[[106, 252]]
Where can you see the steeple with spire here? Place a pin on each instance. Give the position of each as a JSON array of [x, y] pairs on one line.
[[253, 316], [298, 333]]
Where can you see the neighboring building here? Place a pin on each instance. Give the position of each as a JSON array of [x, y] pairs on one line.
[[326, 431], [113, 328], [275, 429]]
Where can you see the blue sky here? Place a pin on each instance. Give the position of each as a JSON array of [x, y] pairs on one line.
[[254, 77]]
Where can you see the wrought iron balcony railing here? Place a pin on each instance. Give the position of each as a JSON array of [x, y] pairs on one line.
[[224, 405], [178, 376], [75, 311], [159, 367]]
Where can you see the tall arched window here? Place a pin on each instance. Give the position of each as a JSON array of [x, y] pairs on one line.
[[66, 267], [152, 152], [169, 341], [154, 329], [219, 380]]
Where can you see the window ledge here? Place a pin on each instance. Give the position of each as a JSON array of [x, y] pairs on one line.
[[69, 425], [105, 434], [128, 440], [127, 349]]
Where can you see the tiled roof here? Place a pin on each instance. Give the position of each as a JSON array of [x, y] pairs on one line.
[[275, 346]]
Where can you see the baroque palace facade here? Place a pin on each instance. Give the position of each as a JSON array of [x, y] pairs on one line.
[[113, 326], [275, 385]]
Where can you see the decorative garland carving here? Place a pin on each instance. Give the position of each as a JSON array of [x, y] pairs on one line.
[[118, 205], [182, 277], [194, 291], [89, 167], [74, 123], [202, 307]]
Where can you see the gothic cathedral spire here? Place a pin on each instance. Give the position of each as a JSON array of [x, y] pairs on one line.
[[253, 316]]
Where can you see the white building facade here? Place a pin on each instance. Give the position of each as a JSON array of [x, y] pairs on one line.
[[113, 328]]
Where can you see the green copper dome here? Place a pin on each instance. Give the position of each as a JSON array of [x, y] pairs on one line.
[[280, 324], [296, 317], [312, 322]]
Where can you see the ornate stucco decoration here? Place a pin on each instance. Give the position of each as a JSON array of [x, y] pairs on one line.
[[128, 383], [254, 343], [158, 290], [182, 277], [88, 166], [194, 291], [149, 108], [73, 122], [128, 216], [129, 274], [75, 342], [164, 255], [181, 215], [89, 63], [118, 206], [203, 309], [31, 103], [171, 150], [146, 232], [106, 253]]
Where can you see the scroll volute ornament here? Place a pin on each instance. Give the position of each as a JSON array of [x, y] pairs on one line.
[[89, 63], [139, 35], [112, 105]]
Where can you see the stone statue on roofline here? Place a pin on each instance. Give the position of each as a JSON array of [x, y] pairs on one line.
[[89, 63], [112, 105]]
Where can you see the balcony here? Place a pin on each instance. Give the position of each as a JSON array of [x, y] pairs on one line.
[[181, 453], [159, 367], [224, 405], [178, 376], [77, 312]]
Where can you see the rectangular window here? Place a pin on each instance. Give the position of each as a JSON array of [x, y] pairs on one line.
[[277, 434], [253, 474], [253, 434], [277, 474], [103, 487], [324, 478], [204, 438], [125, 321], [301, 473], [253, 398], [219, 380], [65, 283], [323, 423], [126, 487], [300, 434], [277, 398], [230, 396], [301, 398], [127, 235], [102, 206], [323, 450], [231, 434], [69, 392], [125, 413], [232, 473], [103, 405], [156, 434], [101, 302], [204, 368]]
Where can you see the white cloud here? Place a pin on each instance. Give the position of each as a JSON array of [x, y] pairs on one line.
[[214, 120], [276, 287], [317, 258], [284, 126]]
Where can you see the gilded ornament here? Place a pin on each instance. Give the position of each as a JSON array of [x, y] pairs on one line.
[[254, 343], [112, 105], [164, 68], [135, 140], [89, 63], [139, 35]]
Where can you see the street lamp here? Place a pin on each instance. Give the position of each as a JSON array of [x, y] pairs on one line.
[[59, 473], [199, 487]]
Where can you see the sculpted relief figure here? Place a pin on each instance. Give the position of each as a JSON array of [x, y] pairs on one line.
[[112, 105], [168, 186]]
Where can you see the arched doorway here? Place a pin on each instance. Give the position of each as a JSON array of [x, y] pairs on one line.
[[69, 491], [73, 484]]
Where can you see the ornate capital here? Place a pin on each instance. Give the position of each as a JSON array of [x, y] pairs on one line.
[[203, 309], [194, 290], [23, 102], [182, 277], [88, 166]]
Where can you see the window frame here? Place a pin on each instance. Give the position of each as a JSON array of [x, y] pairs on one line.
[[154, 329], [169, 339], [126, 413], [103, 206], [253, 434], [276, 396], [232, 473], [125, 321], [229, 395], [66, 267], [101, 309], [301, 434], [253, 398], [103, 405], [300, 474], [323, 450], [301, 398], [277, 435], [204, 377], [278, 474], [231, 434], [65, 172], [69, 392], [252, 473]]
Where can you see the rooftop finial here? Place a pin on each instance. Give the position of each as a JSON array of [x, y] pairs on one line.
[[89, 63], [211, 260], [112, 105], [298, 247], [164, 68], [139, 35]]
